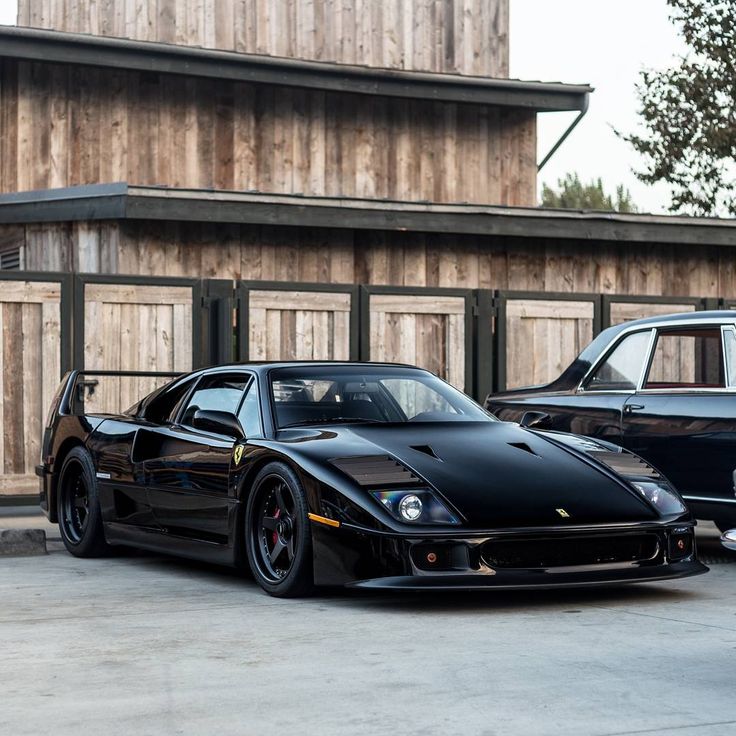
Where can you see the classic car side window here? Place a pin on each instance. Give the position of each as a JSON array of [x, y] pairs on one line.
[[623, 367], [687, 358], [729, 345], [218, 392], [249, 413]]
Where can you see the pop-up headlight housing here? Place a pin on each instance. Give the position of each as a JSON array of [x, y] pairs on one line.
[[646, 479], [416, 506]]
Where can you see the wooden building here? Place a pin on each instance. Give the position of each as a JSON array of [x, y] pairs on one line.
[[184, 181]]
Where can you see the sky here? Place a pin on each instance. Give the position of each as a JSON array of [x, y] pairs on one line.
[[583, 41], [605, 44]]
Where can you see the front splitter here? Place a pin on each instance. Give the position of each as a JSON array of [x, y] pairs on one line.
[[534, 579]]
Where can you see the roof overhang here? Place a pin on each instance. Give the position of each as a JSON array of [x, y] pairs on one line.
[[30, 44], [124, 202]]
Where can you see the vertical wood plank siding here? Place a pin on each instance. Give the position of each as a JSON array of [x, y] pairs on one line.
[[66, 126], [30, 365], [462, 36], [135, 328], [341, 256]]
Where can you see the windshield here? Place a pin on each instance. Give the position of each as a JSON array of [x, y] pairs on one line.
[[365, 394]]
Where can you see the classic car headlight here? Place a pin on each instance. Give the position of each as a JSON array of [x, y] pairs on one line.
[[416, 506], [661, 495]]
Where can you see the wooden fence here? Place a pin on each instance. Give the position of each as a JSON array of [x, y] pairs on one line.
[[477, 340]]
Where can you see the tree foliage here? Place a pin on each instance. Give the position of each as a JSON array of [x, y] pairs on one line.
[[688, 112], [571, 193]]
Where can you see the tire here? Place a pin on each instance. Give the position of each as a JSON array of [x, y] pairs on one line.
[[78, 507], [277, 534]]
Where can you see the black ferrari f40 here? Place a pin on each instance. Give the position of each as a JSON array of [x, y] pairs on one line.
[[358, 474]]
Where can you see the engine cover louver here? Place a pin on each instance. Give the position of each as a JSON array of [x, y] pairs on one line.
[[375, 470], [625, 464]]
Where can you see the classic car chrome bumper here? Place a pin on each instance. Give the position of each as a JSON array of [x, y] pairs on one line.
[[728, 539]]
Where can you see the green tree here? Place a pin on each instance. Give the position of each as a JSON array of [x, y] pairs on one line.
[[572, 194], [688, 112]]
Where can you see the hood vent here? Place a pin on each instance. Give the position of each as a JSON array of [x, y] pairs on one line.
[[624, 463], [375, 470], [426, 449], [523, 446]]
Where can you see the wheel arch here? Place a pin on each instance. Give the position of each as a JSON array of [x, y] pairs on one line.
[[63, 452]]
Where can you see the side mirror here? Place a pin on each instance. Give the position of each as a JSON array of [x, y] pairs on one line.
[[536, 420], [728, 540], [219, 422]]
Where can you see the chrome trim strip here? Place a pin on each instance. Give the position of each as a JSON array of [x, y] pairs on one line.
[[709, 499], [636, 327], [649, 358]]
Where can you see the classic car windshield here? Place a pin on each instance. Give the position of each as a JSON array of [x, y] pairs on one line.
[[365, 394]]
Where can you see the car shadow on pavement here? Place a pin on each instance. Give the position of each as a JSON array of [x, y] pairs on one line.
[[460, 602]]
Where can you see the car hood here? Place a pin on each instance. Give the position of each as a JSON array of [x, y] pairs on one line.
[[497, 474]]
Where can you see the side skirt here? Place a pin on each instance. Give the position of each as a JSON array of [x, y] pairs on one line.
[[154, 540]]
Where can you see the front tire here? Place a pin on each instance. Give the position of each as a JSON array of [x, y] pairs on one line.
[[724, 523], [78, 507], [278, 538]]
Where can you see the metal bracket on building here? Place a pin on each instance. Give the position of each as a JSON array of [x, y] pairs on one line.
[[563, 137]]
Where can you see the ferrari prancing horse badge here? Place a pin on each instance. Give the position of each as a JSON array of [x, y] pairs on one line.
[[238, 454]]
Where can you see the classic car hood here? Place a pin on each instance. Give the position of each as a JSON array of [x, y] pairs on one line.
[[498, 474]]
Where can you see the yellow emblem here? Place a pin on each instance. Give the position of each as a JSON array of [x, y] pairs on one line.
[[563, 513], [238, 454]]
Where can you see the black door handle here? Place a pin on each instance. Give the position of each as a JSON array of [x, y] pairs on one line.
[[629, 408]]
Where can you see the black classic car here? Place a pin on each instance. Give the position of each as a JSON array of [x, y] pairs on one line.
[[379, 476], [663, 388]]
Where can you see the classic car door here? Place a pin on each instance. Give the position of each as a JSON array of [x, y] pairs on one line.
[[683, 417], [188, 467], [596, 408]]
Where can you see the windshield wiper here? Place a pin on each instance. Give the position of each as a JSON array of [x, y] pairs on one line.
[[333, 420]]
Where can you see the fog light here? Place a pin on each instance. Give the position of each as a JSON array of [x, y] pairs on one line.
[[410, 507]]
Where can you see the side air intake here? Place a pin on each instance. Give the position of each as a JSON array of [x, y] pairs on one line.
[[375, 470], [626, 464]]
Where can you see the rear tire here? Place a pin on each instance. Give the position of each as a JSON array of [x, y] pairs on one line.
[[278, 538], [78, 507]]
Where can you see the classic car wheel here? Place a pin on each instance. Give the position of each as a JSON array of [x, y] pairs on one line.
[[80, 518], [277, 534]]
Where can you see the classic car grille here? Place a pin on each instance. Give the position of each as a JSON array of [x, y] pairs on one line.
[[541, 553]]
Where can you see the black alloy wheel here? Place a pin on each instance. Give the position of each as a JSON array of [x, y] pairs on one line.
[[278, 539], [78, 506]]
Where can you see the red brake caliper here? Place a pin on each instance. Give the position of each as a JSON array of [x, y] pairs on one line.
[[274, 534]]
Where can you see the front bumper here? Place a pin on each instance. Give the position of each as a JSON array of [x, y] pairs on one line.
[[540, 579], [504, 559]]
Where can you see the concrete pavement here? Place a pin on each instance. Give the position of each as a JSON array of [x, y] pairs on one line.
[[142, 644]]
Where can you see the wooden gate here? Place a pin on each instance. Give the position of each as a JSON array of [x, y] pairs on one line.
[[618, 309], [540, 334], [134, 325], [33, 308], [298, 321], [431, 328]]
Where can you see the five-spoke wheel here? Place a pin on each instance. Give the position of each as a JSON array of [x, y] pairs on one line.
[[78, 506], [278, 541]]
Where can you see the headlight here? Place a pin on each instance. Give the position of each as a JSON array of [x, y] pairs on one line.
[[660, 495], [416, 507]]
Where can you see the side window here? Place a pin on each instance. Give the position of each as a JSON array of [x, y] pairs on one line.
[[621, 370], [219, 393], [249, 414], [166, 405], [687, 358], [729, 343]]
